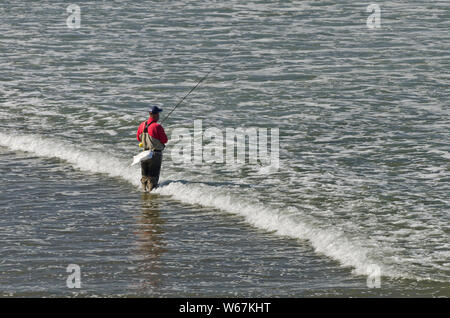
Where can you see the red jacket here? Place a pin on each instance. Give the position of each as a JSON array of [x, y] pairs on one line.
[[155, 130]]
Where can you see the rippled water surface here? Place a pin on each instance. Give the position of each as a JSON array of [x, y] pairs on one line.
[[363, 119]]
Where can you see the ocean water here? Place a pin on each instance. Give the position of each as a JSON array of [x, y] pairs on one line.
[[363, 116]]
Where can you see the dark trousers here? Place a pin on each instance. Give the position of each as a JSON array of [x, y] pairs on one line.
[[151, 168]]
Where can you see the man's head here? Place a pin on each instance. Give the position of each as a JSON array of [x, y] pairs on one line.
[[154, 112]]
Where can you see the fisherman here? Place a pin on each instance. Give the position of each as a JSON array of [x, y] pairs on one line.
[[153, 138]]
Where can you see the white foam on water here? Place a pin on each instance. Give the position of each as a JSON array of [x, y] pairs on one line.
[[290, 222], [97, 162]]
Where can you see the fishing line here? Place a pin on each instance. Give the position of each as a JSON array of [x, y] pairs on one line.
[[192, 89]]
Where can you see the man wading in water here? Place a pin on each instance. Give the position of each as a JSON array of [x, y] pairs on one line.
[[153, 138]]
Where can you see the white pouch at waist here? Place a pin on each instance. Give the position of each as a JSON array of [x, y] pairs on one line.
[[145, 155]]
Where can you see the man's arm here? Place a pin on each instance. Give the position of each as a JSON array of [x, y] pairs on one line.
[[139, 132], [161, 134]]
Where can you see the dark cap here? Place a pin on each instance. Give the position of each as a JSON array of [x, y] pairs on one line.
[[155, 109]]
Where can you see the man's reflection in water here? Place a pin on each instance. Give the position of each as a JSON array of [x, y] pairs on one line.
[[150, 242]]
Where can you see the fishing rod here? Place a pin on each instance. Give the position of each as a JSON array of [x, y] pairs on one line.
[[192, 89]]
